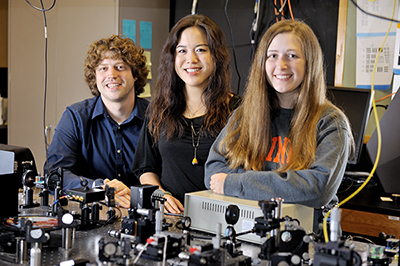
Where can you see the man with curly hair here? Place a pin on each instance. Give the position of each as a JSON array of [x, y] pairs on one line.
[[96, 138]]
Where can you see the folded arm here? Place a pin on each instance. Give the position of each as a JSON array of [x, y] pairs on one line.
[[314, 187]]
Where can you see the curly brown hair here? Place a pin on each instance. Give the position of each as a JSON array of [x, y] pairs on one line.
[[120, 47]]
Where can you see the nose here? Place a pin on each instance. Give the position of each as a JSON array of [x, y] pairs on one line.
[[281, 63], [111, 73], [191, 57]]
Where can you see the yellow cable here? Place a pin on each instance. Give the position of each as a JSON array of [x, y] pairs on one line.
[[378, 131]]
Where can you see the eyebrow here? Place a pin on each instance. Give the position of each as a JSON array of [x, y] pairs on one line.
[[289, 50], [117, 63], [181, 45]]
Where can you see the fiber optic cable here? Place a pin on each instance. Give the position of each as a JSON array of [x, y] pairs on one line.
[[378, 131]]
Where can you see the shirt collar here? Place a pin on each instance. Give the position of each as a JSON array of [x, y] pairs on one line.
[[100, 109]]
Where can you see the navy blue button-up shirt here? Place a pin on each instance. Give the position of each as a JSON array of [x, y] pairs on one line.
[[89, 144]]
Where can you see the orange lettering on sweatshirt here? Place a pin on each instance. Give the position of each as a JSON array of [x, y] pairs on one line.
[[281, 152]]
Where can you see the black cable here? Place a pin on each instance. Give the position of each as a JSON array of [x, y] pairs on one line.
[[374, 15], [115, 216], [201, 237], [174, 214], [45, 84], [253, 43], [224, 237], [43, 10], [278, 14], [233, 45], [348, 186], [246, 232], [241, 233], [254, 29], [379, 105]]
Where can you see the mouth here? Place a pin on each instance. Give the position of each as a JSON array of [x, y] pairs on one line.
[[283, 77], [113, 85], [193, 71]]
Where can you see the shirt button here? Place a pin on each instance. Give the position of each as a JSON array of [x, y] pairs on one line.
[[118, 151], [119, 175], [118, 128]]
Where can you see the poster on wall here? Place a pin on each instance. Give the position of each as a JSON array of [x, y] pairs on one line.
[[373, 54]]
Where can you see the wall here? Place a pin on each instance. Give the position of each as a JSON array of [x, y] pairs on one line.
[[157, 12], [72, 25], [349, 75]]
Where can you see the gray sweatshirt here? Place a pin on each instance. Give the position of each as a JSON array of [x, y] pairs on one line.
[[314, 187]]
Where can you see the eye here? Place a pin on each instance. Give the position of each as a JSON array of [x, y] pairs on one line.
[[180, 51], [121, 67], [102, 69], [201, 50], [271, 56], [292, 56]]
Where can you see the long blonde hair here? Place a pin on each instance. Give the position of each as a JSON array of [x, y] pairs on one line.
[[248, 135]]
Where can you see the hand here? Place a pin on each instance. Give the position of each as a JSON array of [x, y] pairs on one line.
[[122, 192], [172, 205], [217, 183]]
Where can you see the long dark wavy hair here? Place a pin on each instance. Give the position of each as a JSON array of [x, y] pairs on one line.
[[168, 101]]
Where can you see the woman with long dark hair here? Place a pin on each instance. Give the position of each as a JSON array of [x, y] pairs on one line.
[[191, 103]]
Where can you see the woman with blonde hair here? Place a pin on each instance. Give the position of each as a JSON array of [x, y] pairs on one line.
[[286, 139]]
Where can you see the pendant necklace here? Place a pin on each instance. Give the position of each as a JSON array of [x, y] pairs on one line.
[[191, 110], [195, 145], [195, 134]]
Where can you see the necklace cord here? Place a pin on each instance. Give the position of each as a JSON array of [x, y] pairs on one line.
[[192, 113], [195, 145]]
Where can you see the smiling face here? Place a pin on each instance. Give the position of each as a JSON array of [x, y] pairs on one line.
[[285, 67], [193, 60], [114, 80]]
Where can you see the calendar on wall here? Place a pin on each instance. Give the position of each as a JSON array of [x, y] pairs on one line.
[[373, 54]]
